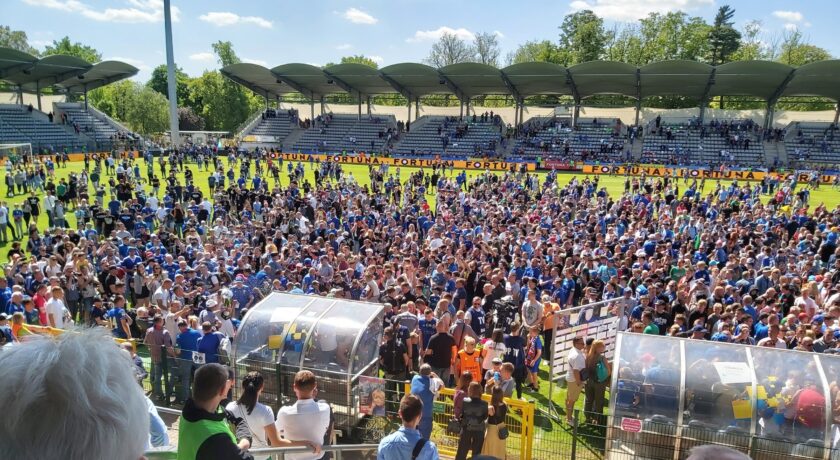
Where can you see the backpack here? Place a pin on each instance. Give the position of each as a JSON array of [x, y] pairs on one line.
[[601, 372]]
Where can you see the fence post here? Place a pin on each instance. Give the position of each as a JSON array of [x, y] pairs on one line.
[[164, 360], [574, 434]]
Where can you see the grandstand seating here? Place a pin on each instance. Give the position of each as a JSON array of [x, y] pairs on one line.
[[685, 142], [100, 130], [476, 138], [17, 124], [813, 143], [593, 139], [278, 126], [338, 133]]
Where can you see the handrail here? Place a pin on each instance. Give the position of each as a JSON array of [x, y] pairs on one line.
[[281, 451]]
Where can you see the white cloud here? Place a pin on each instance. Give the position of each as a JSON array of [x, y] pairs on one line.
[[789, 16], [140, 11], [255, 61], [433, 35], [357, 16], [377, 59], [142, 66], [632, 10], [344, 47], [224, 18], [498, 34], [203, 57]]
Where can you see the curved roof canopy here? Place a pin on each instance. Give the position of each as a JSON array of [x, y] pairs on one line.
[[101, 74], [258, 79], [761, 79], [65, 73]]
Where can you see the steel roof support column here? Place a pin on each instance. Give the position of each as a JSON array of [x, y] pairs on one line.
[[312, 112], [462, 109], [837, 113], [323, 107], [368, 105], [638, 95], [84, 87], [38, 93], [360, 106], [416, 109], [408, 120], [515, 113], [704, 100]]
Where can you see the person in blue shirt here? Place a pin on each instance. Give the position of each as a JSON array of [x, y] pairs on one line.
[[407, 443], [186, 343], [209, 343], [119, 321], [428, 326]]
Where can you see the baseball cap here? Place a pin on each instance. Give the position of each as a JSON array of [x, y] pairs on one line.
[[699, 328], [497, 360], [4, 317]]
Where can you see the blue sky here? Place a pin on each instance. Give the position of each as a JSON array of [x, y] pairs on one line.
[[272, 32]]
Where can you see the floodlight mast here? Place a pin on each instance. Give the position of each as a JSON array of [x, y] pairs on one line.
[[174, 135]]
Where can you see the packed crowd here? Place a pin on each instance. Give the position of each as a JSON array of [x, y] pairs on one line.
[[471, 279]]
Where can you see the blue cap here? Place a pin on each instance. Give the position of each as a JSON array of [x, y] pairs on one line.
[[817, 319], [307, 261], [719, 337]]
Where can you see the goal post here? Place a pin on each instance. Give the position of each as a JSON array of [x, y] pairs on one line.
[[13, 152]]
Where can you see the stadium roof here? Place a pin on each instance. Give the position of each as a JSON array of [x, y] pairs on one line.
[[762, 79], [66, 73]]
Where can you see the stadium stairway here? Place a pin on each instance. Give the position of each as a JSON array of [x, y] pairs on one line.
[[100, 127]]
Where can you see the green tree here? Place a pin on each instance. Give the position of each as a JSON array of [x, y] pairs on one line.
[[158, 82], [65, 46], [486, 46], [535, 51], [225, 54], [188, 120], [450, 49], [222, 103], [724, 39], [360, 59], [582, 38], [16, 39], [797, 52], [141, 108]]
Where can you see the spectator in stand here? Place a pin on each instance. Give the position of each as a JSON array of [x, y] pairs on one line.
[[92, 423], [407, 443], [473, 419]]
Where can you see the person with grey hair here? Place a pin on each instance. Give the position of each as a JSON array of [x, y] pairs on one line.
[[715, 452], [85, 421]]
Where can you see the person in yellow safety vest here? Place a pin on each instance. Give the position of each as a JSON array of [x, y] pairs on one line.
[[203, 429], [469, 359]]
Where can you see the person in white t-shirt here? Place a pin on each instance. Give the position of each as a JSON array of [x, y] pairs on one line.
[[307, 419], [772, 340], [576, 361], [55, 308], [260, 418]]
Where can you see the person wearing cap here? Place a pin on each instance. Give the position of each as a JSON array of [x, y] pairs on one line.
[[6, 336], [698, 332], [186, 345]]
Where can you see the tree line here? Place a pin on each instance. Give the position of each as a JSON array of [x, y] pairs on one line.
[[212, 102]]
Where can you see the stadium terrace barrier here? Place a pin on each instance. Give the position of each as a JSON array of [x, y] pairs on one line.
[[362, 159], [700, 173]]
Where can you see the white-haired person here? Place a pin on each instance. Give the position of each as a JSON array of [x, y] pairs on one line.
[[81, 400]]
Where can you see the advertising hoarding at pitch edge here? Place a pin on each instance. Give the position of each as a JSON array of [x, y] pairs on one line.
[[699, 173], [493, 165]]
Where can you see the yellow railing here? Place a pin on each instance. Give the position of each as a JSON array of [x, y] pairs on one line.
[[519, 422]]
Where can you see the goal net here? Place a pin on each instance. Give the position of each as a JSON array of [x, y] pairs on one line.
[[13, 153]]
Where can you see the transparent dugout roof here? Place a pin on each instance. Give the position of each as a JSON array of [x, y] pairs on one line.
[[702, 391], [310, 332]]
